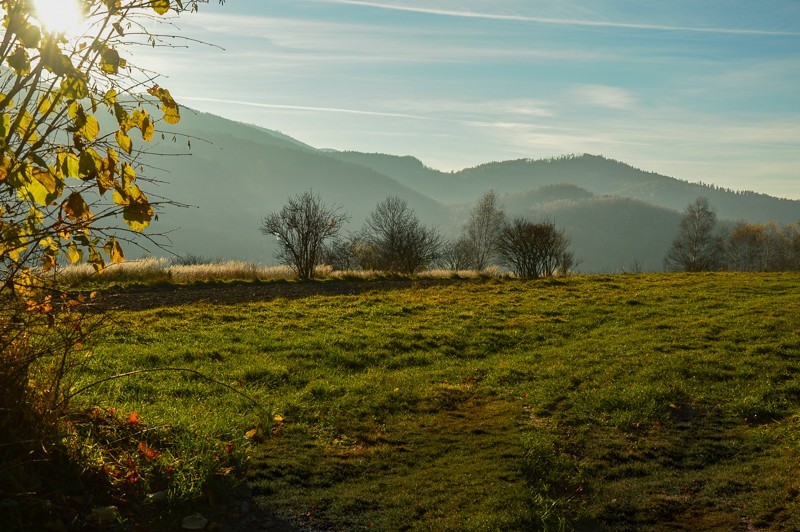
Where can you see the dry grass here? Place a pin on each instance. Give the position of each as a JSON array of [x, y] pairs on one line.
[[154, 270], [229, 271]]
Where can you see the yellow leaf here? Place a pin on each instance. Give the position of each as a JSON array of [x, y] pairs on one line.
[[110, 61], [160, 6], [69, 165], [27, 127], [138, 215], [110, 98], [50, 182], [74, 88], [250, 434], [117, 255], [148, 130], [90, 129], [114, 250], [172, 113], [73, 253], [33, 189], [124, 141]]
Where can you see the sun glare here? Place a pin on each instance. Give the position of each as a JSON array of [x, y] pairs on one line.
[[58, 16]]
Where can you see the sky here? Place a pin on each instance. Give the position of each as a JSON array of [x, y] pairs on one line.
[[703, 91]]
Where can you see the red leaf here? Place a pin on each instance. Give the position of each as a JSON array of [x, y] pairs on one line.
[[149, 453], [133, 419]]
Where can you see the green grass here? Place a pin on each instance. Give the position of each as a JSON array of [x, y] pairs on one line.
[[620, 402]]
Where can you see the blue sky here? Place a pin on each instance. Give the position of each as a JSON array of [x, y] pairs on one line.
[[704, 91]]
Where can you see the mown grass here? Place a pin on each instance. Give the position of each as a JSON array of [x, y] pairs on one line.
[[619, 402]]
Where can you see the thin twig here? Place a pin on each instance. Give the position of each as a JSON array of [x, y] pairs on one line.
[[155, 370]]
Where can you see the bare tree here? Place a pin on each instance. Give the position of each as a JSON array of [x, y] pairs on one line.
[[301, 227], [458, 254], [534, 249], [343, 254], [696, 248], [393, 239], [483, 228]]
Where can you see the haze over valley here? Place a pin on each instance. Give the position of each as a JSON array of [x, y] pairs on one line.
[[618, 217]]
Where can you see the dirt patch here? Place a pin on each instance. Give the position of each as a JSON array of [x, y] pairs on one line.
[[234, 294]]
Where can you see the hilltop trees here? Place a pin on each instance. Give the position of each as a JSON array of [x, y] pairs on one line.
[[696, 248], [762, 247], [531, 249], [742, 247], [302, 226]]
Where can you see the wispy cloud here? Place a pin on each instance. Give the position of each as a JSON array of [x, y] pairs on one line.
[[301, 108], [556, 21], [605, 96]]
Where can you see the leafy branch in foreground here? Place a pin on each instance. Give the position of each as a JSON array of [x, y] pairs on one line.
[[66, 181]]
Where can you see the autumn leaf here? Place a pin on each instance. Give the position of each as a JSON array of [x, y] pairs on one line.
[[133, 419], [149, 453], [124, 141], [76, 208], [160, 6], [117, 255]]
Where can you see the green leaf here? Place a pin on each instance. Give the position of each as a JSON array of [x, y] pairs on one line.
[[89, 164], [29, 35], [19, 61]]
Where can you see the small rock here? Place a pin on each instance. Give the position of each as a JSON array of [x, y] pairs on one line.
[[159, 496], [194, 522], [104, 515]]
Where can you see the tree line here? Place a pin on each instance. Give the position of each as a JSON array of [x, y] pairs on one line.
[[392, 239], [704, 245]]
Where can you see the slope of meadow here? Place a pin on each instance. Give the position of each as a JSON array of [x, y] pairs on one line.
[[624, 402]]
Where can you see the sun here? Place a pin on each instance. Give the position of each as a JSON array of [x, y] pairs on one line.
[[58, 16]]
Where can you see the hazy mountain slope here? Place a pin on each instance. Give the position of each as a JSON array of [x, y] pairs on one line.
[[239, 173], [409, 171], [607, 177], [608, 233], [617, 216], [594, 173]]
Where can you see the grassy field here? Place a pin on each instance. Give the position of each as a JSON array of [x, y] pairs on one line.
[[618, 402]]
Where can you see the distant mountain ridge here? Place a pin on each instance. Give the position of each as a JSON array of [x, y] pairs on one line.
[[236, 173], [595, 173]]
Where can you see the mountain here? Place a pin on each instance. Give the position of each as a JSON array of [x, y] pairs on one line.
[[233, 174], [239, 173], [595, 173]]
